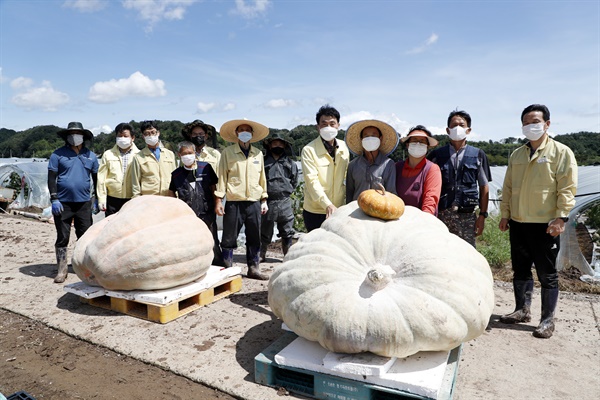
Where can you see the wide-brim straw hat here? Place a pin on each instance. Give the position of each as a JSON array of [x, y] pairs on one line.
[[389, 136], [75, 128], [431, 140], [227, 131]]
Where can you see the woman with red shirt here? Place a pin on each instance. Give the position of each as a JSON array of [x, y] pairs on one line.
[[418, 180]]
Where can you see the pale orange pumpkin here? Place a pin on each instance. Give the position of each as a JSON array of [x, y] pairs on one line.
[[153, 242], [380, 204]]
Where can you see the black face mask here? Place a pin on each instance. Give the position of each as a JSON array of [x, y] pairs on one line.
[[198, 140], [277, 150]]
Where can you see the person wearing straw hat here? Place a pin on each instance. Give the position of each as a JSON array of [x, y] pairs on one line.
[[465, 169], [114, 187], [418, 180], [72, 169], [151, 168], [372, 141], [243, 181], [282, 178], [324, 165], [200, 134]]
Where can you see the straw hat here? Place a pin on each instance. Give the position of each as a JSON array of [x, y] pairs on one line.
[[227, 131], [418, 132], [75, 127], [389, 137]]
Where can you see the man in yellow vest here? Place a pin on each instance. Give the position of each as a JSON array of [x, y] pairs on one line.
[[242, 179], [114, 188], [151, 168]]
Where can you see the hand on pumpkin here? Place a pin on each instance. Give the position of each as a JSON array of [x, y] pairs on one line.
[[264, 208], [503, 224], [330, 210]]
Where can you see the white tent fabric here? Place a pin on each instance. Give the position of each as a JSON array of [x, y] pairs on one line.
[[34, 174]]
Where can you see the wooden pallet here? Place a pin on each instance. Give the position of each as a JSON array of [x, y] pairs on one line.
[[324, 386], [164, 313]]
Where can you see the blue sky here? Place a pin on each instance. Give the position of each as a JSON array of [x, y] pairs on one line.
[[278, 61]]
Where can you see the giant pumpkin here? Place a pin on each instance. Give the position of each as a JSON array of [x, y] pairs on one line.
[[393, 288], [153, 242]]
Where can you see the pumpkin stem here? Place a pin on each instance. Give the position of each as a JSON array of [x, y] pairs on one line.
[[381, 189], [380, 276]]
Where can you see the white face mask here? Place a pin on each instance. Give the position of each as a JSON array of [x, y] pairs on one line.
[[245, 136], [188, 159], [75, 139], [417, 150], [151, 140], [371, 143], [328, 133], [458, 133], [123, 142], [533, 131]]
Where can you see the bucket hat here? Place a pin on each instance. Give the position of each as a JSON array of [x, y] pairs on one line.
[[227, 131], [389, 137], [186, 131], [419, 133], [75, 127]]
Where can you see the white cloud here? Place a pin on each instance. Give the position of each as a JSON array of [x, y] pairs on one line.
[[21, 83], [205, 107], [101, 129], [86, 6], [229, 107], [154, 11], [43, 97], [280, 103], [137, 85], [429, 42], [251, 8]]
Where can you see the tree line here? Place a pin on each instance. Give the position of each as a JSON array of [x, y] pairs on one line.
[[41, 141]]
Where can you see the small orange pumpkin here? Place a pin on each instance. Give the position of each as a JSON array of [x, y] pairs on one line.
[[381, 204]]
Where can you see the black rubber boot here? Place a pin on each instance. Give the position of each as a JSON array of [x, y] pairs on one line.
[[286, 243], [523, 292], [546, 327], [61, 262], [253, 261], [263, 252], [227, 257]]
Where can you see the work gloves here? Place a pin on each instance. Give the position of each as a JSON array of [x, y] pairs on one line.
[[57, 207]]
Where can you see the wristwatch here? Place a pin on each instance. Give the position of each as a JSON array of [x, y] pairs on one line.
[[565, 219], [484, 214]]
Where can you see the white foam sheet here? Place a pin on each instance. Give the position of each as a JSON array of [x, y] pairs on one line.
[[164, 296], [421, 374]]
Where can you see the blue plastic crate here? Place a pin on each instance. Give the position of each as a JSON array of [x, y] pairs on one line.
[[20, 396]]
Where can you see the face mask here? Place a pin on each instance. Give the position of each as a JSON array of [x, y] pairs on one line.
[[151, 140], [371, 143], [245, 136], [75, 139], [123, 142], [188, 159], [417, 150], [277, 150], [458, 133], [198, 140], [533, 131], [328, 133]]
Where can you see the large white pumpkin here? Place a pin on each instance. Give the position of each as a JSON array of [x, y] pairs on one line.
[[153, 242], [393, 288]]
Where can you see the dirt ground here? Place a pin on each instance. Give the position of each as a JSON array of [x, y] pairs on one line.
[[49, 364]]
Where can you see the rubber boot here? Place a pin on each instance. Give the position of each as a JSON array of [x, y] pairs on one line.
[[523, 292], [546, 327], [263, 252], [227, 257], [286, 243], [61, 261], [253, 261]]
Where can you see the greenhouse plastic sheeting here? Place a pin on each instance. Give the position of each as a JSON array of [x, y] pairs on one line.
[[35, 176]]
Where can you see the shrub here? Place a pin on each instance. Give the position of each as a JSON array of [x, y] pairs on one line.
[[494, 244]]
